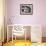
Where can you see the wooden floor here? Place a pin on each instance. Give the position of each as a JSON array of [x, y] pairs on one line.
[[18, 43], [23, 43]]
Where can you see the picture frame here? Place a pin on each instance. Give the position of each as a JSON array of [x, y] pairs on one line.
[[26, 9]]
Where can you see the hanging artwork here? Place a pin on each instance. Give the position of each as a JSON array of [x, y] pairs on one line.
[[26, 9]]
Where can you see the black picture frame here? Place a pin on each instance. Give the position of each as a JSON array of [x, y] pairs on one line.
[[26, 9]]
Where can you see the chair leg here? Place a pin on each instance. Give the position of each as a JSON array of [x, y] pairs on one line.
[[15, 38], [2, 44]]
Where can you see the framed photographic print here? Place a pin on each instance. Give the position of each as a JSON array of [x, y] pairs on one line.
[[26, 9]]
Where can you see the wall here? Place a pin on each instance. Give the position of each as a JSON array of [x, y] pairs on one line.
[[38, 17]]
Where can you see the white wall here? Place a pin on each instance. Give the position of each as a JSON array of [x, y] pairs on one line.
[[38, 17]]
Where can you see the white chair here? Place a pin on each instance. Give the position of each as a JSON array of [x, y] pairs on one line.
[[17, 31]]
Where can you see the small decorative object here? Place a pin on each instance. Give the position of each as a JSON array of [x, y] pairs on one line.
[[26, 9]]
